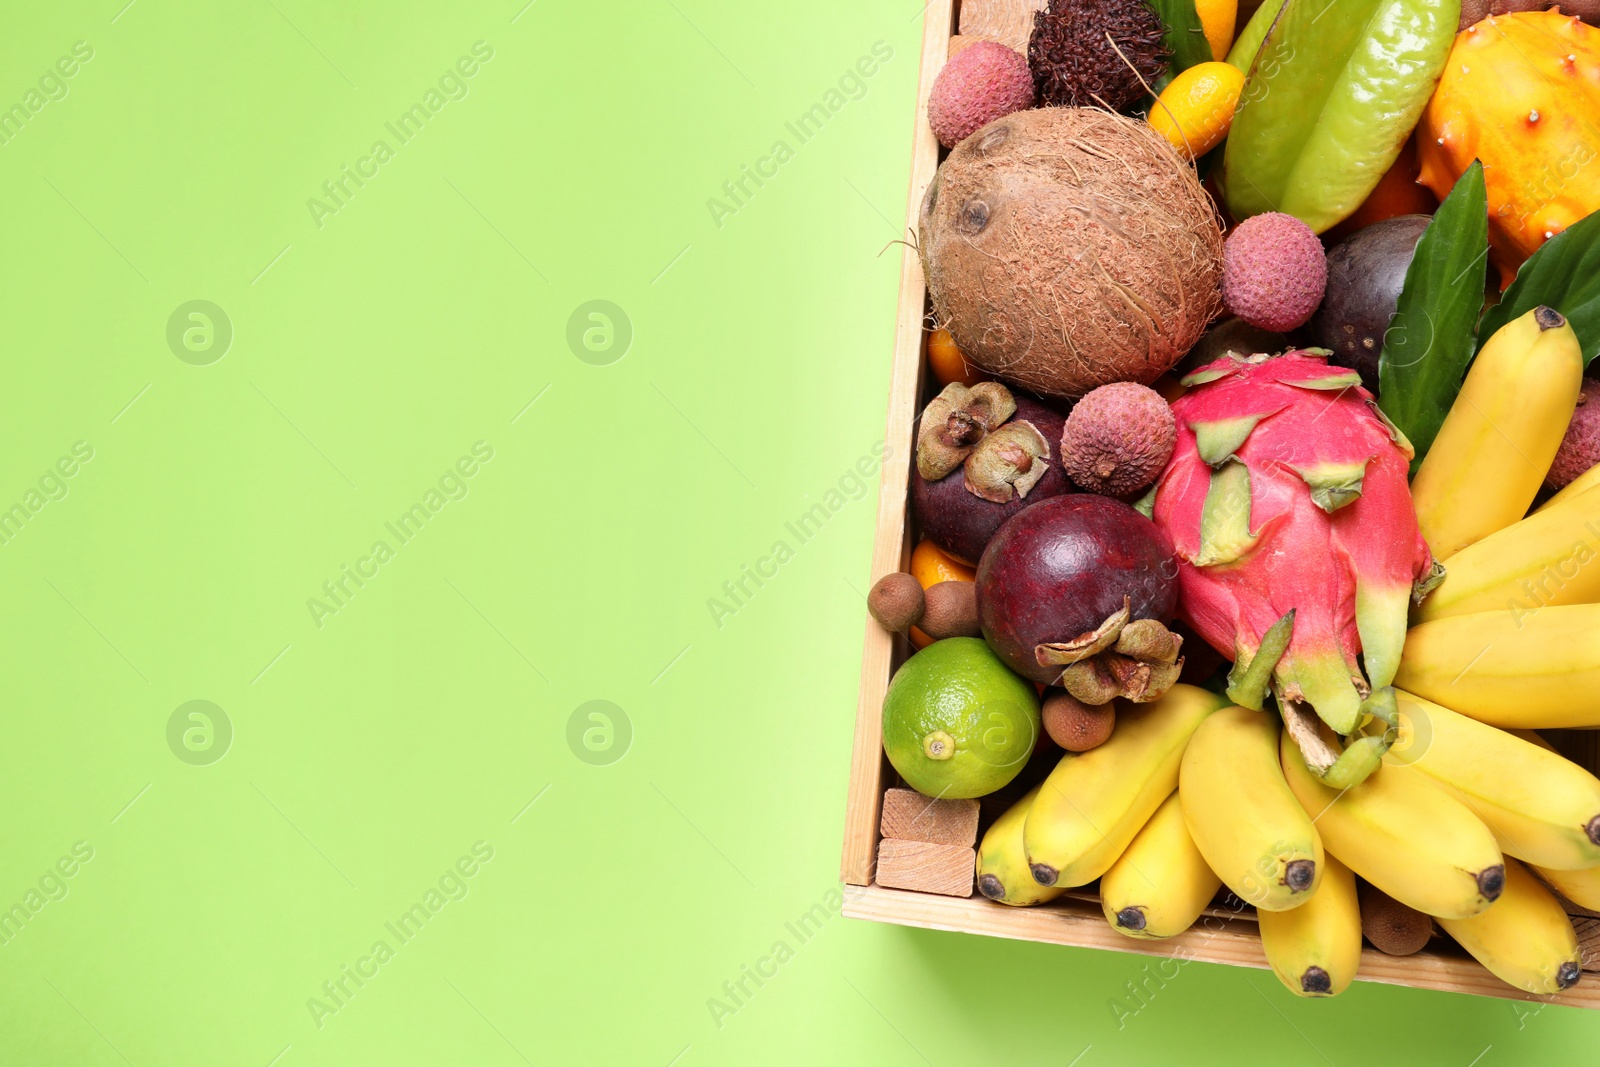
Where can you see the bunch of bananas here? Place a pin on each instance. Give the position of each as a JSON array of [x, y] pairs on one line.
[[1191, 794], [1471, 818], [1512, 636]]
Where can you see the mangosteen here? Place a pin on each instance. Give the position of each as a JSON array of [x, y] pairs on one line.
[[983, 454], [1365, 274], [1077, 591]]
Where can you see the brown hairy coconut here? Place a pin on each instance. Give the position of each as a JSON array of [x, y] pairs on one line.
[[1067, 248]]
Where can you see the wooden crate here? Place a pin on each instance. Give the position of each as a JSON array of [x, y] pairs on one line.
[[1224, 936]]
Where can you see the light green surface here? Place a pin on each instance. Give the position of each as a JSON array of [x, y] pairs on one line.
[[372, 753]]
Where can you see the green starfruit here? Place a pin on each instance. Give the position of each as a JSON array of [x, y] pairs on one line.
[[1248, 43], [1330, 98]]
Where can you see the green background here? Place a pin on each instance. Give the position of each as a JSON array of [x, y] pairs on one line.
[[375, 746]]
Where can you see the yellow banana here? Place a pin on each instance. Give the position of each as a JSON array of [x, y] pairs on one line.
[[1533, 737], [1526, 939], [1159, 886], [1406, 835], [1581, 484], [1541, 807], [1315, 948], [1241, 814], [1536, 670], [1093, 803], [1580, 887], [1551, 557], [1496, 444], [1003, 873]]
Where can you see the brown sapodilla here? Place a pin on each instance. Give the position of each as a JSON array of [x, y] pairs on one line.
[[1066, 248]]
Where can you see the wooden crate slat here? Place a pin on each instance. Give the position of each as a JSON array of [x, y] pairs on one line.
[[1080, 924], [890, 552]]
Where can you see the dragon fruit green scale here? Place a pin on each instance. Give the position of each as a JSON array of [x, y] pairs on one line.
[[1287, 492]]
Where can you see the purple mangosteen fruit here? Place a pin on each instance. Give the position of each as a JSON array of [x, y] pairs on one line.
[[1366, 272], [1077, 591], [983, 455]]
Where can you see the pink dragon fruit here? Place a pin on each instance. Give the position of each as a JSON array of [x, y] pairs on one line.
[[1298, 546]]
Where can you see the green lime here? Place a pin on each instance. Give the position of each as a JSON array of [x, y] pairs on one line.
[[957, 722]]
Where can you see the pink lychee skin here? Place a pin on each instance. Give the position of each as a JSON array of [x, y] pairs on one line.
[[983, 82], [1274, 272], [1580, 449], [1125, 422]]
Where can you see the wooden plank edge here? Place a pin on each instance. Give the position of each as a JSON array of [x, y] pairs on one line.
[[1081, 925], [890, 551]]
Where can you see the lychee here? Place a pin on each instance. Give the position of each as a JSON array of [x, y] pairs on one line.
[[1118, 438], [1580, 449], [983, 82], [1274, 272]]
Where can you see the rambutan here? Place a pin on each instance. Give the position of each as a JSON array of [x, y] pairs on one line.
[[1074, 52]]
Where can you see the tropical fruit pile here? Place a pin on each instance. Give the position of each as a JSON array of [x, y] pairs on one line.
[[1258, 520]]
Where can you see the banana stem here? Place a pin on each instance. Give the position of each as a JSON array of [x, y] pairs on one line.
[[1359, 758], [1306, 730]]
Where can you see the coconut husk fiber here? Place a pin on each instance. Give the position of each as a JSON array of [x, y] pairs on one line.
[[1067, 248]]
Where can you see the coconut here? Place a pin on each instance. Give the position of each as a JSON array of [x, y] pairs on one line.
[[1068, 248]]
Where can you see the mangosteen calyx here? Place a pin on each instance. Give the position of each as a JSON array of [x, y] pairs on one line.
[[1008, 462], [954, 423], [1136, 660], [1083, 646], [964, 427]]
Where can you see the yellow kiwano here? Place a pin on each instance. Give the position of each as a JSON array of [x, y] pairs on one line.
[[1196, 110], [1519, 92]]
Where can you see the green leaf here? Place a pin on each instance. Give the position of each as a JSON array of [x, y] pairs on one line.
[[1185, 36], [1429, 341], [1563, 274], [1332, 96]]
